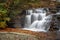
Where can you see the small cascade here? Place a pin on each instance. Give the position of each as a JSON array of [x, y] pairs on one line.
[[36, 20], [34, 17], [27, 20]]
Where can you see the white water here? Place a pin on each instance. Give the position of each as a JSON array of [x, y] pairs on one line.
[[37, 20]]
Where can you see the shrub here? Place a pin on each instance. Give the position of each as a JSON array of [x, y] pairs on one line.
[[3, 16]]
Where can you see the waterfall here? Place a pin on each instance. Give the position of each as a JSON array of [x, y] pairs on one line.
[[36, 20]]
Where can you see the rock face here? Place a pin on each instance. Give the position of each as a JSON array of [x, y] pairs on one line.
[[16, 36], [55, 24]]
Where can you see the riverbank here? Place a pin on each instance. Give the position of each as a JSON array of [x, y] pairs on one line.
[[39, 35]]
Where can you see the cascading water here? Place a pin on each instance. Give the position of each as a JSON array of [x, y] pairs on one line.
[[36, 20]]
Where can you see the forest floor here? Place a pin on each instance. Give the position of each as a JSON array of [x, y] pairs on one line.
[[41, 35]]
